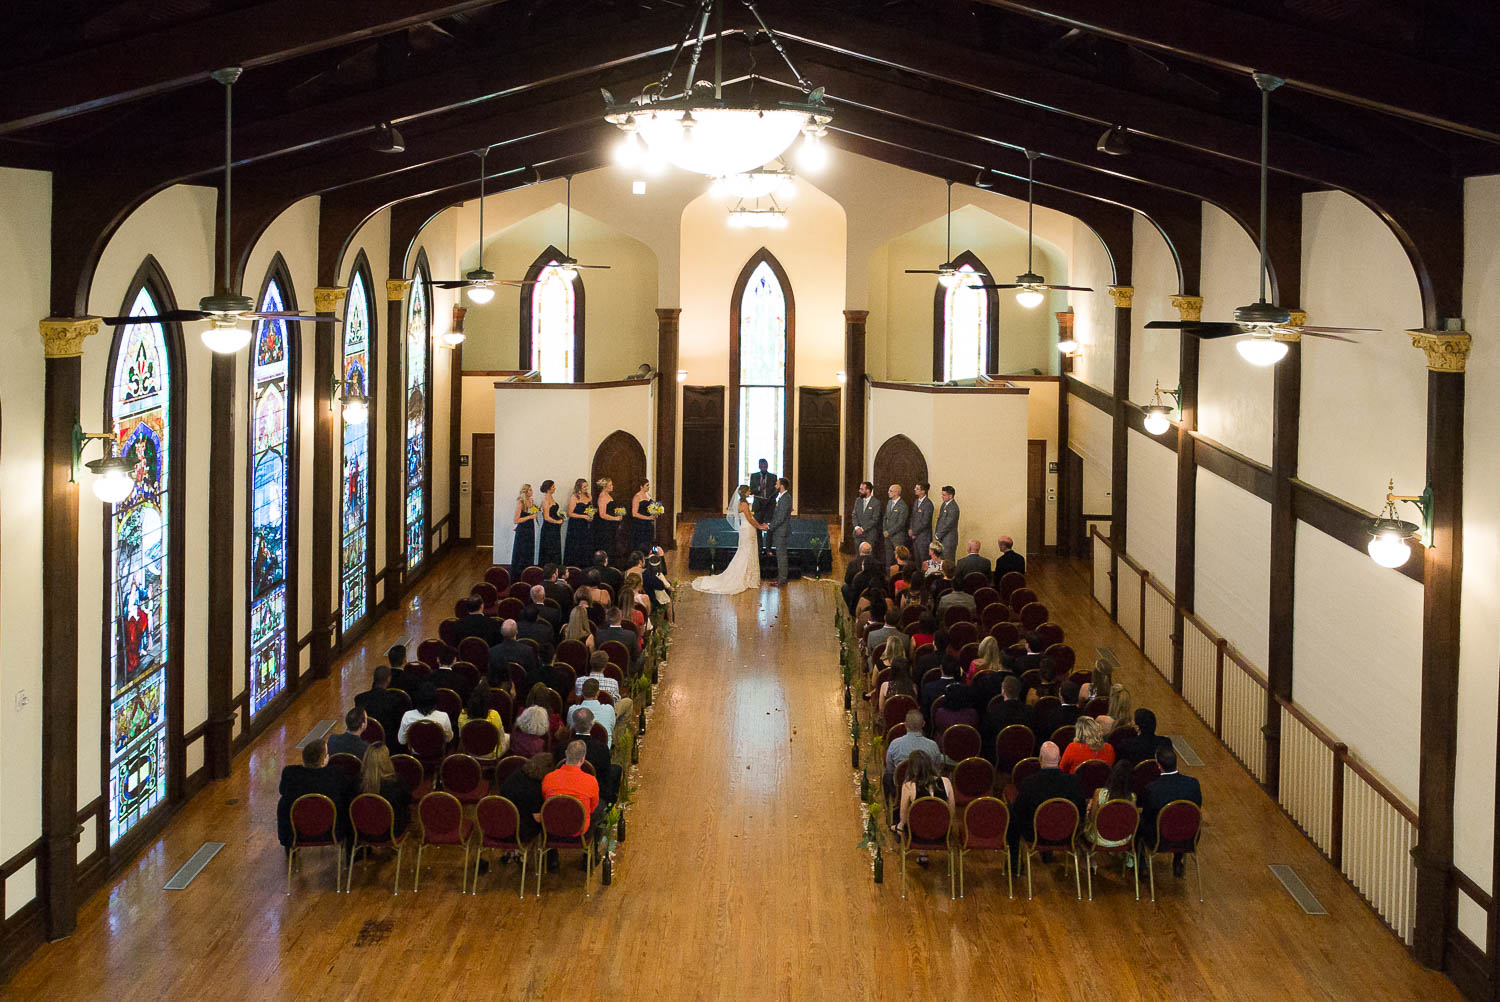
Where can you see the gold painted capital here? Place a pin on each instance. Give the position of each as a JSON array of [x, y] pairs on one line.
[[1122, 295], [327, 300], [396, 289], [1289, 336], [1299, 319], [62, 337], [1189, 308], [1447, 351]]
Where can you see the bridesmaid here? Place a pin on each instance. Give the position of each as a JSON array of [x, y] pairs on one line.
[[552, 522], [578, 549], [607, 523], [523, 552], [643, 529]]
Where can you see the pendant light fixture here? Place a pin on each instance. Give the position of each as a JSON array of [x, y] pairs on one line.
[[1030, 287]]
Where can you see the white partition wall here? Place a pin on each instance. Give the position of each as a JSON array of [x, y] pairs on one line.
[[1232, 547], [1152, 482]]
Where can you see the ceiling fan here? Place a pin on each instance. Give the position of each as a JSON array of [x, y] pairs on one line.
[[948, 275], [480, 282], [569, 265], [225, 311], [1030, 286], [1262, 321]]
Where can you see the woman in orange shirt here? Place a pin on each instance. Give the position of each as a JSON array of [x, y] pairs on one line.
[[1088, 743]]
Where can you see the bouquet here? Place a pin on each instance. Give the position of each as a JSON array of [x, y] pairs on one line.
[[655, 508], [532, 510], [618, 511], [591, 511]]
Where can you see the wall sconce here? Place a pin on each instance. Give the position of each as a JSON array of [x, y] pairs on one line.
[[112, 474], [682, 375], [356, 405], [1388, 545], [1158, 414]]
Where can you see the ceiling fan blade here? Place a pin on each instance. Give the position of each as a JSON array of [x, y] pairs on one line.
[[1196, 328], [1336, 330], [1066, 288], [169, 317], [994, 285], [294, 316], [605, 266], [925, 271], [452, 284], [516, 281], [1309, 332]]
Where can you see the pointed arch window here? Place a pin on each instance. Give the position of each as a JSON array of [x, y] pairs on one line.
[[418, 393], [141, 567], [552, 320], [966, 324], [354, 484], [761, 337], [272, 445]]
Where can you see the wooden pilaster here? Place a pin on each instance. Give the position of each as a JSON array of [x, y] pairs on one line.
[[668, 326], [854, 418]]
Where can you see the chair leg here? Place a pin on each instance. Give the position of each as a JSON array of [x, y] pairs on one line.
[[338, 867], [951, 895], [400, 851], [1028, 874], [525, 852], [1010, 887], [1088, 868], [416, 878], [291, 855], [1077, 883], [1135, 869], [463, 885], [903, 873], [541, 864], [1151, 875], [960, 873], [1198, 869]]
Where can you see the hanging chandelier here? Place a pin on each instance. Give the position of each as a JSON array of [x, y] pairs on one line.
[[699, 129]]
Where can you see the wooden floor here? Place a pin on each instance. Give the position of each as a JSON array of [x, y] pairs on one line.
[[740, 878]]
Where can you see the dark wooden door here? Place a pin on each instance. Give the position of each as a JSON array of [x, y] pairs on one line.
[[702, 473], [621, 459], [1036, 495], [482, 481], [818, 431], [1071, 537], [898, 461]]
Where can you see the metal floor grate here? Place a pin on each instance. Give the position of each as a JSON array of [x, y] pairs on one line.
[[194, 866], [1185, 753], [320, 730], [1108, 654], [1297, 889]]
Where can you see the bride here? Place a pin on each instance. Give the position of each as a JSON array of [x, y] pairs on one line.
[[743, 571]]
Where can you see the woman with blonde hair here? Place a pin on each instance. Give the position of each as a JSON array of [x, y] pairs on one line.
[[578, 546], [377, 775], [579, 628], [1120, 705], [607, 521], [523, 551], [1088, 743], [988, 658], [626, 603]]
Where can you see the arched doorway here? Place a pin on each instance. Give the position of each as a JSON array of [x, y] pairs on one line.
[[621, 459], [898, 461]]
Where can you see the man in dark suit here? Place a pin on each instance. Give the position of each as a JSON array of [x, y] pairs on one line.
[[1041, 786], [1008, 560], [894, 523], [611, 576], [550, 673], [596, 753], [546, 613], [972, 563], [945, 530], [1010, 710], [933, 658], [444, 677], [921, 523], [510, 649], [858, 567], [533, 627], [763, 494], [474, 623], [866, 515], [557, 588], [313, 776], [614, 631], [382, 704], [1171, 785], [1143, 745], [400, 677]]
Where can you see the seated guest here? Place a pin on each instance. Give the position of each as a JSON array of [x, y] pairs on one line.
[[897, 646], [1170, 786], [913, 740], [597, 753], [1050, 685], [570, 780], [597, 593], [1035, 648], [972, 563], [630, 605], [987, 658], [598, 664], [927, 628], [539, 695], [349, 742], [424, 707], [860, 565], [478, 708], [377, 775], [614, 631], [953, 597], [1088, 743], [607, 574], [1008, 560], [532, 734], [1010, 710], [923, 779], [382, 704], [899, 684], [942, 652], [523, 787], [941, 658], [546, 613], [904, 564], [508, 650], [878, 636], [400, 677], [474, 623], [958, 705], [444, 677], [932, 566], [1119, 787], [555, 586], [1102, 679], [1121, 706], [657, 581], [532, 626], [579, 627], [604, 713], [1145, 743], [1041, 786], [313, 776], [557, 677], [1071, 694]]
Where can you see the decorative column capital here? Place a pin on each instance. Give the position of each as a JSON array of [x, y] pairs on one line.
[[1299, 319], [668, 314], [1189, 308], [1122, 295], [856, 316], [327, 300], [62, 337], [395, 289], [1447, 351]]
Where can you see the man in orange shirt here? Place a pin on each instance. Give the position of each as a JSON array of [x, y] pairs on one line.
[[570, 779]]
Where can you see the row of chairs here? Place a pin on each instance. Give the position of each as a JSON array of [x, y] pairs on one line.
[[474, 651], [991, 613]]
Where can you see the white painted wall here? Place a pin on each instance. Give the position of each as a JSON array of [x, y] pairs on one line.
[[1094, 324], [1090, 434], [1154, 355], [1234, 397], [1151, 479], [1233, 573]]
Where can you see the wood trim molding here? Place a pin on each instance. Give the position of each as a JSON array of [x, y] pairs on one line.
[[504, 385], [546, 258], [881, 384], [1285, 431], [1090, 394], [1240, 470], [507, 373], [668, 327], [855, 322]]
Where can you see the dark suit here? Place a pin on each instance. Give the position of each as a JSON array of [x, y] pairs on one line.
[[894, 524], [1036, 790], [605, 634], [552, 618], [559, 592], [447, 678], [1141, 747], [477, 624], [612, 576], [1173, 786], [553, 677], [518, 651], [781, 532], [946, 529], [1006, 562], [297, 780], [1009, 711], [346, 743], [971, 563], [384, 707], [921, 528], [541, 631], [762, 495]]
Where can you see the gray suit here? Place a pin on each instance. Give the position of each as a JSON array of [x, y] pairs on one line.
[[781, 531], [921, 528], [867, 517], [894, 526], [946, 530]]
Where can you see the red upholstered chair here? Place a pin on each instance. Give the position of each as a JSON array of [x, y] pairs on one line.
[[448, 632], [1056, 828], [1019, 598], [498, 577], [452, 704], [517, 678], [896, 708], [957, 614], [463, 776], [506, 766], [960, 741], [910, 629], [1178, 827], [596, 615], [1051, 634], [881, 678], [574, 576], [985, 596], [374, 822], [1013, 744], [615, 672], [894, 732], [489, 593], [967, 653], [443, 824], [599, 733], [926, 828], [461, 608], [1121, 733], [1046, 706], [617, 654], [498, 826], [314, 826], [475, 651], [1116, 821], [1063, 657], [992, 613], [932, 674], [348, 764], [1009, 582], [1092, 774], [965, 631], [468, 671], [626, 624], [425, 741], [412, 776], [975, 580], [532, 576], [1096, 707], [1024, 770], [1078, 676], [574, 654], [480, 739], [510, 608], [417, 669], [923, 649], [427, 652], [1145, 774], [984, 825], [502, 704], [606, 698], [373, 731], [588, 767], [565, 825], [972, 778], [1006, 634], [520, 591], [909, 616], [554, 701], [1063, 736], [1033, 615]]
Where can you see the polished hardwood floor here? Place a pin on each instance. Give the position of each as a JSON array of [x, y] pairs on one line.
[[740, 878]]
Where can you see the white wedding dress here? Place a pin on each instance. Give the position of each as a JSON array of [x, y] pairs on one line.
[[743, 571]]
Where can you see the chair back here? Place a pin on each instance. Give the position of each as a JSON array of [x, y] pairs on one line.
[[1046, 706], [479, 738], [1051, 634], [972, 778], [519, 590], [467, 672], [575, 577], [313, 818], [881, 678], [427, 652], [502, 704], [498, 578], [927, 821], [533, 576], [963, 632], [510, 608], [425, 740], [461, 774], [1033, 615], [1019, 598], [475, 651], [349, 765], [1116, 821], [985, 596], [1177, 827], [896, 708], [1144, 775], [626, 623], [461, 608], [1005, 633], [957, 614], [506, 766], [403, 701], [563, 820], [1024, 770], [1096, 707], [1010, 581], [1121, 733], [490, 593], [894, 731], [442, 818], [1031, 676], [617, 653], [967, 653], [448, 632], [932, 674], [986, 820], [517, 678], [498, 820], [574, 654], [606, 698], [599, 733], [450, 703], [1064, 735], [1078, 676], [596, 614], [373, 818], [974, 580], [554, 701], [1092, 774], [941, 702], [1063, 657], [1013, 744], [909, 616], [408, 771], [960, 742], [921, 649], [613, 671], [373, 731], [588, 767], [1056, 822]]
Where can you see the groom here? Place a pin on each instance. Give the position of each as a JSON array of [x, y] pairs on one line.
[[781, 529]]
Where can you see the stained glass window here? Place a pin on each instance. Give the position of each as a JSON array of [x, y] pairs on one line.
[[141, 418], [417, 342], [553, 333], [269, 440], [762, 373], [965, 330], [355, 485]]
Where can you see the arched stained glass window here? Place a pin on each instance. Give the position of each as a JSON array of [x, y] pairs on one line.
[[271, 417], [965, 335], [760, 345], [141, 417], [418, 389], [552, 320], [354, 551]]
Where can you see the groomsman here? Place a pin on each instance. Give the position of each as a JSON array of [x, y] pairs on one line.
[[895, 523], [921, 523], [866, 516], [946, 530]]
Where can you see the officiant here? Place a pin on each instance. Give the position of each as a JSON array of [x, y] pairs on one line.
[[763, 495]]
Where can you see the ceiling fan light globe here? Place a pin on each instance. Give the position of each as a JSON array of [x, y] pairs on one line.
[[1029, 298], [1388, 549], [628, 152], [567, 272], [949, 279], [225, 337], [480, 294], [1261, 351]]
